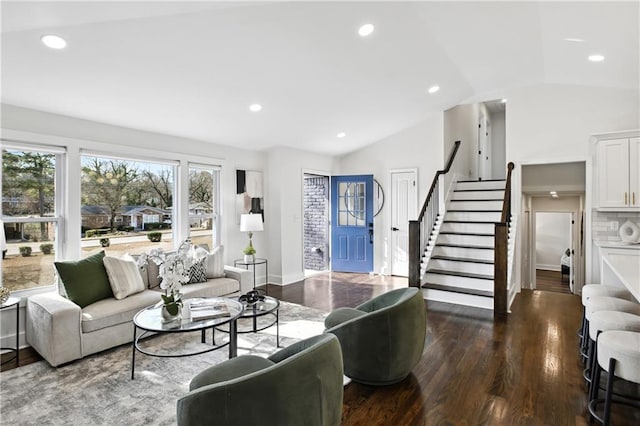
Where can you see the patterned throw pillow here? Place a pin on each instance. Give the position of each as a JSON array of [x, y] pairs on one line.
[[198, 272]]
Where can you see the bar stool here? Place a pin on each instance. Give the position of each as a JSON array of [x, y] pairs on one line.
[[591, 290], [602, 303], [602, 321], [619, 356]]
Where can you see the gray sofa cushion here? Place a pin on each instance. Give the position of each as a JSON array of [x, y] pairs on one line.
[[109, 312], [222, 287]]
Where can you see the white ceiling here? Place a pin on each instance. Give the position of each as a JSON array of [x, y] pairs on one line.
[[192, 69]]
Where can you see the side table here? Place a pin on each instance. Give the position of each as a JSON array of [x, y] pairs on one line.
[[15, 302], [257, 261]]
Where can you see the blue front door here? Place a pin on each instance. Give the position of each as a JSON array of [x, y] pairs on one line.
[[352, 223]]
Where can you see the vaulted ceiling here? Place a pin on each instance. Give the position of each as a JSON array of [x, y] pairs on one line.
[[192, 69]]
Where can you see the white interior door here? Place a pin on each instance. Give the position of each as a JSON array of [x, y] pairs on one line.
[[404, 198], [484, 150]]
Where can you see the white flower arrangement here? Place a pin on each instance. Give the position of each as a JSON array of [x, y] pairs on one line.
[[174, 271]]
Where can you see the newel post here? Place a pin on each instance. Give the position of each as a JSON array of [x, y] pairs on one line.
[[500, 271], [414, 253]]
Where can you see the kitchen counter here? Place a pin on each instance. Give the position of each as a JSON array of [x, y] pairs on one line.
[[622, 267], [617, 244]]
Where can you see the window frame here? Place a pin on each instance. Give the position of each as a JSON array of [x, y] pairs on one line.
[[216, 172], [59, 217]]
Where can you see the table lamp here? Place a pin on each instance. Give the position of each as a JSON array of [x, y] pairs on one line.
[[250, 223]]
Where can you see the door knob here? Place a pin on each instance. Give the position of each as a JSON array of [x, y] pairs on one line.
[[395, 229]]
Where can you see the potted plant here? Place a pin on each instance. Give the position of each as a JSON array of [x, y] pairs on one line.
[[249, 254], [104, 242], [46, 248], [25, 251], [171, 305]]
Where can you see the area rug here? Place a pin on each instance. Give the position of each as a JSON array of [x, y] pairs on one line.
[[98, 389]]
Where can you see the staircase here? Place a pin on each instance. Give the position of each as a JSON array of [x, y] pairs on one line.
[[458, 263]]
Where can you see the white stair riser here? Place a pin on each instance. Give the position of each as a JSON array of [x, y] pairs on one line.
[[478, 228], [457, 298], [468, 267], [476, 205], [478, 195], [474, 216], [481, 185], [460, 282], [474, 240], [463, 252]]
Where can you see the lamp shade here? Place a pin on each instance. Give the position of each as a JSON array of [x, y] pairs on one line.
[[251, 223]]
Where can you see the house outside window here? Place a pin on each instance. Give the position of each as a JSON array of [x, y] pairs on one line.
[[123, 201], [31, 214], [204, 214]]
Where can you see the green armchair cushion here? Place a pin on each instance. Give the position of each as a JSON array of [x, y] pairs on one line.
[[384, 340], [299, 385]]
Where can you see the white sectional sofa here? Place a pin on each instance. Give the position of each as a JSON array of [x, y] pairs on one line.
[[61, 331]]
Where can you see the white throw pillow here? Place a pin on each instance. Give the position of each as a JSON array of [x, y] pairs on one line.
[[124, 276], [215, 263]]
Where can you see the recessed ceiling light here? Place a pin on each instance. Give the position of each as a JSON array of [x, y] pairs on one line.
[[503, 100], [433, 89], [341, 135], [53, 41], [553, 192], [596, 58], [365, 30], [574, 39], [255, 107]]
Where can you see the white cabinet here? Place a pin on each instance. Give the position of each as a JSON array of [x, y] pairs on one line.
[[618, 175]]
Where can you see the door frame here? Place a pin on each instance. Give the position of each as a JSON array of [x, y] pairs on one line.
[[388, 252], [318, 173], [573, 241]]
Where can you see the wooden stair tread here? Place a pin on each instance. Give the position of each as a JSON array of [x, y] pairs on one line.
[[483, 180], [475, 211], [462, 259], [460, 290], [484, 222], [469, 234], [469, 246], [478, 190], [460, 274]]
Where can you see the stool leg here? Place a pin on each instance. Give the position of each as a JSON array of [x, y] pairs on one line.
[[607, 398], [595, 385], [585, 341], [593, 362]]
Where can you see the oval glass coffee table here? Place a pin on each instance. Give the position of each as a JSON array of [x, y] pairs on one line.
[[260, 315], [150, 321]]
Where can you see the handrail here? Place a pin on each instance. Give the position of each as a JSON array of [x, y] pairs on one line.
[[452, 156], [500, 252], [420, 229], [506, 205]]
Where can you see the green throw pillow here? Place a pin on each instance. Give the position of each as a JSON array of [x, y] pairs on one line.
[[85, 281]]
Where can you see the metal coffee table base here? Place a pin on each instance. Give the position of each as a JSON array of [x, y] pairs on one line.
[[232, 344]]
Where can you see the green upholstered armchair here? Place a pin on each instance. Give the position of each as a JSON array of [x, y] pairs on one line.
[[300, 385], [382, 339]]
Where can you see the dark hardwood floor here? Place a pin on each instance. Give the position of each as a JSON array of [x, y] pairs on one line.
[[474, 371], [552, 281]]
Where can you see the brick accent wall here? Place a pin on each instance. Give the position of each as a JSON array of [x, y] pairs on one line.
[[316, 211]]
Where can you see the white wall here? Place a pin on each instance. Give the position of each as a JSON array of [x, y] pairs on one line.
[[552, 123], [461, 124], [418, 147], [498, 145], [552, 238], [283, 216]]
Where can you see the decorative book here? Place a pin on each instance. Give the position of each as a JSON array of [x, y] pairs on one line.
[[208, 309]]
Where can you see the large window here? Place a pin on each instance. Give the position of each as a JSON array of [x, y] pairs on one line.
[[30, 215], [127, 205], [203, 205]]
